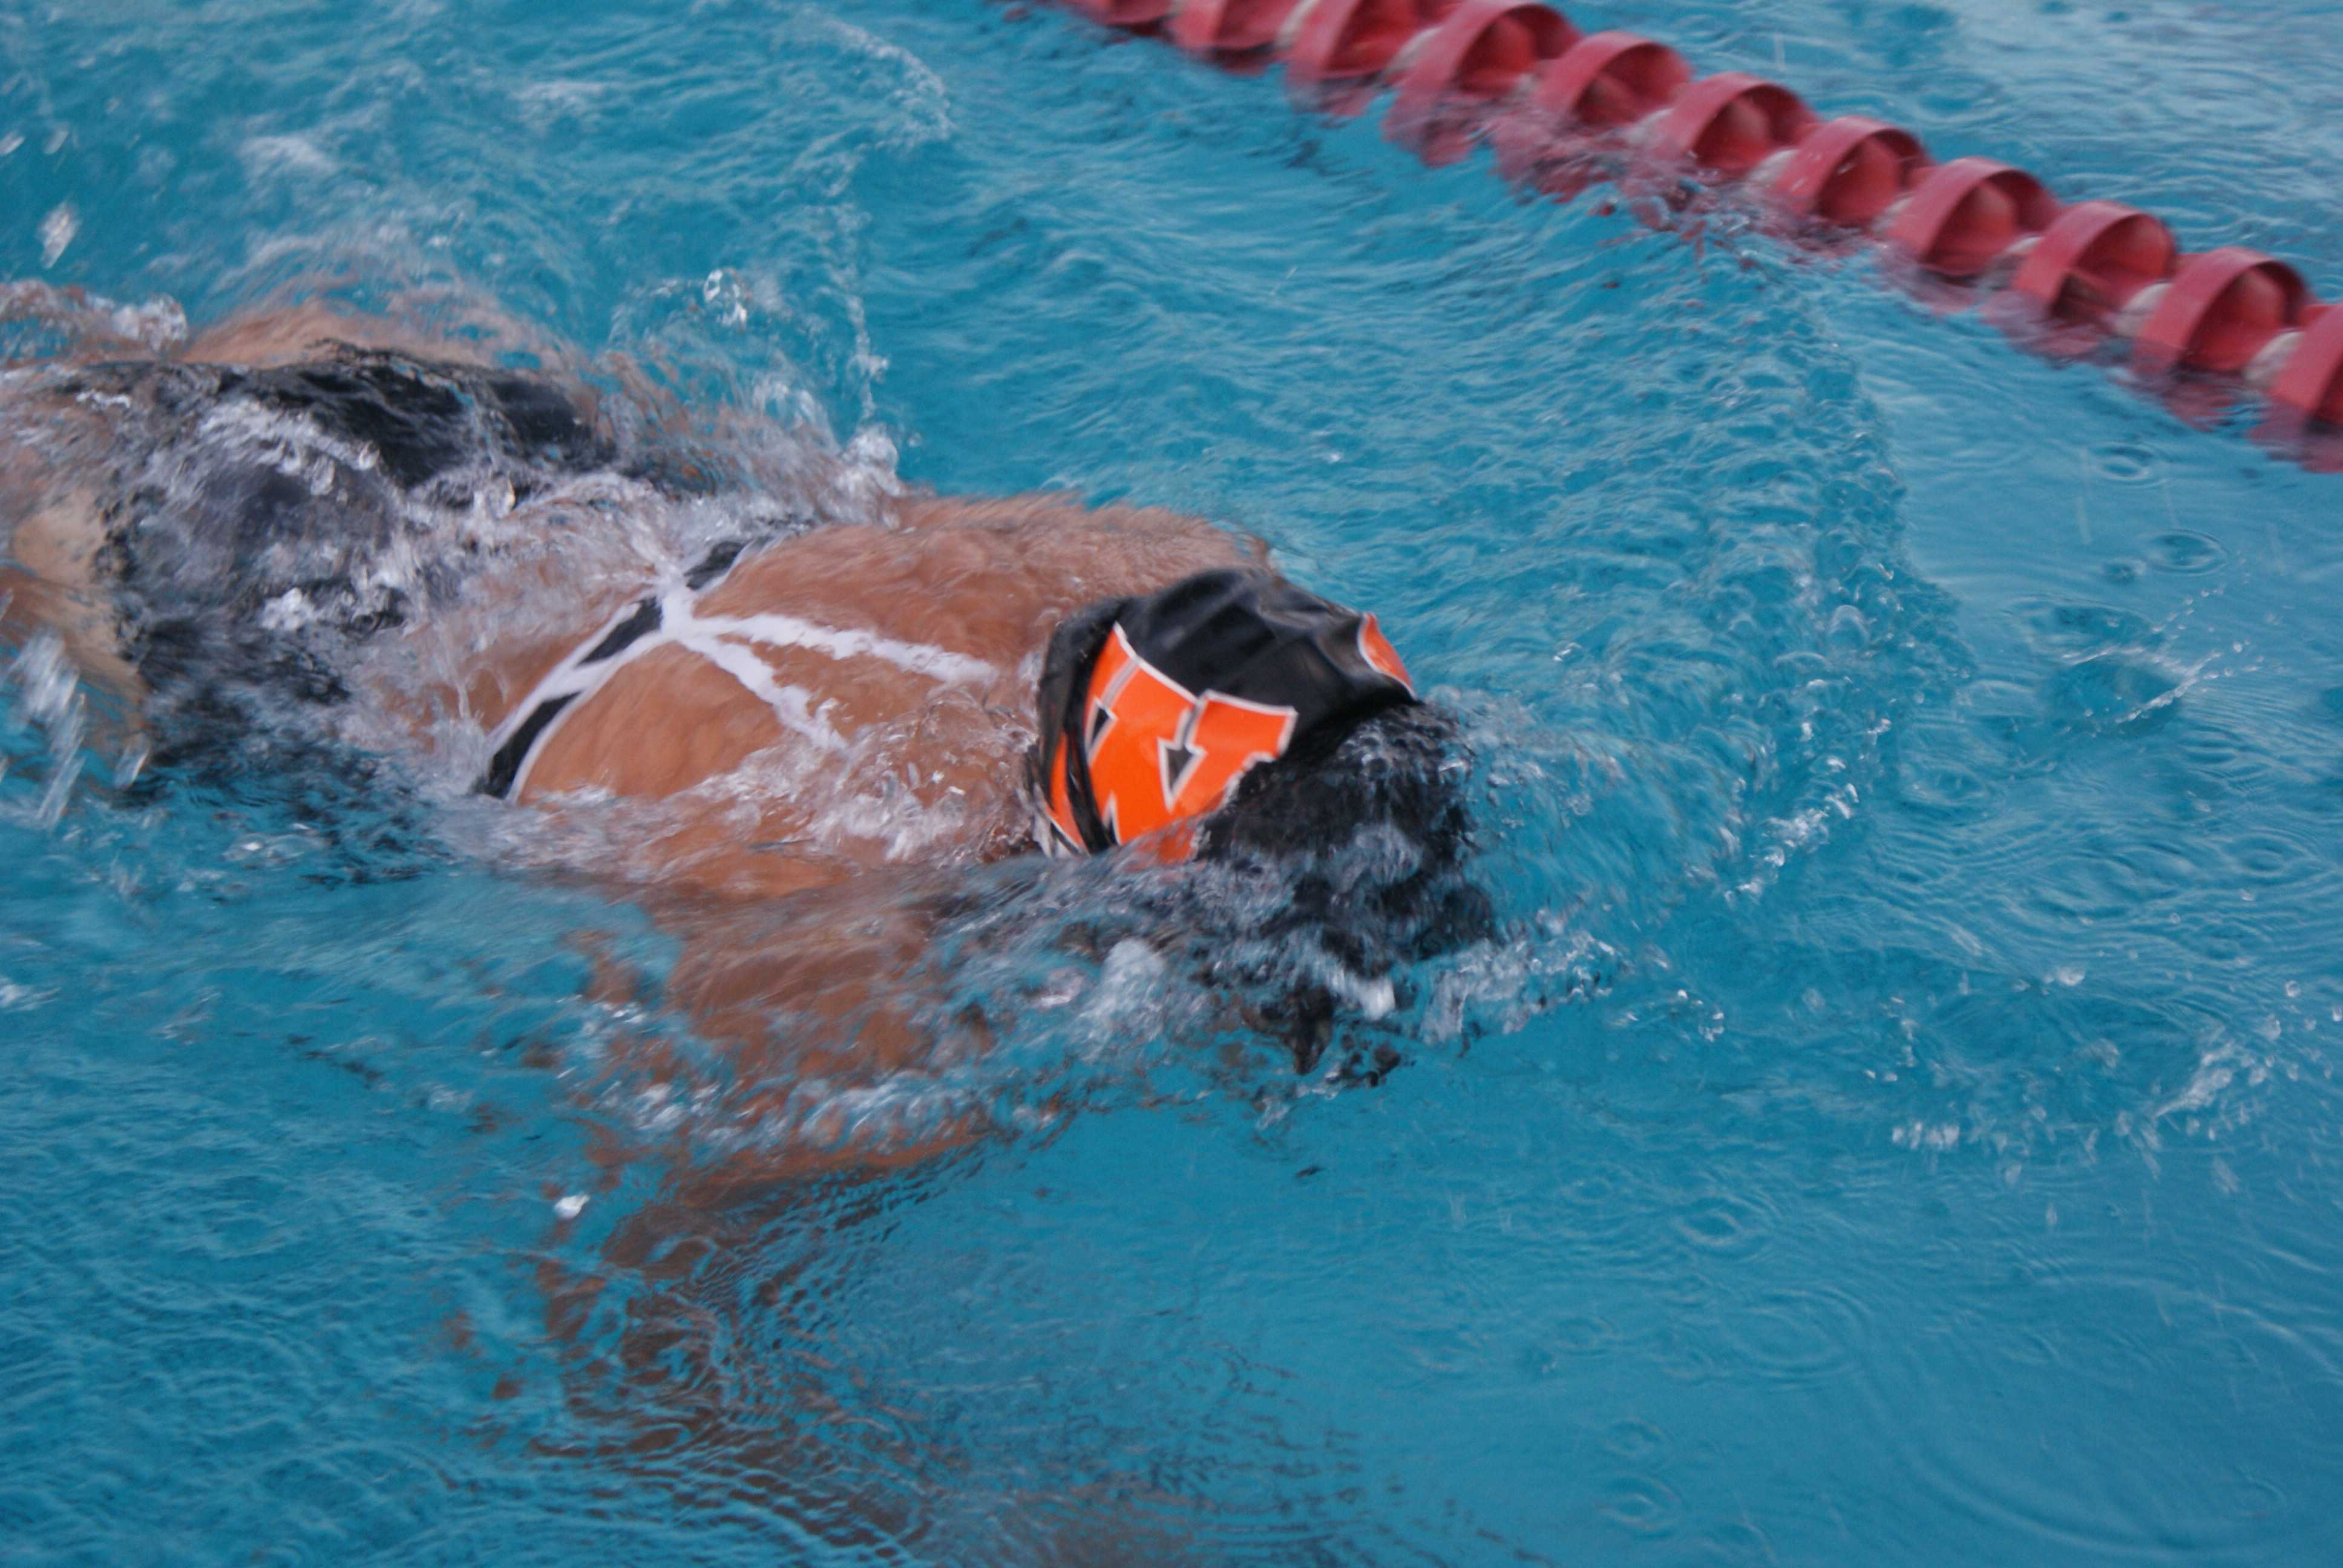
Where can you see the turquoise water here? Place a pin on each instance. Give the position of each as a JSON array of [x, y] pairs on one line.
[[1898, 1124]]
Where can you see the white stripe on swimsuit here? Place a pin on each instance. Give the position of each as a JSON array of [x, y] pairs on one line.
[[670, 618]]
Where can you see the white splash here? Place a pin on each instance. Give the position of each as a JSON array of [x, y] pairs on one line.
[[49, 697], [284, 156], [57, 231]]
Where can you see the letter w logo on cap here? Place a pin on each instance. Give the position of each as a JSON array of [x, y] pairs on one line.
[[1158, 752]]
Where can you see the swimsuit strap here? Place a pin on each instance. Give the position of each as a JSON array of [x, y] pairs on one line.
[[670, 618]]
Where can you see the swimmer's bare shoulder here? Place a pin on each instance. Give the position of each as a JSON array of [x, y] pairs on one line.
[[432, 326], [987, 579]]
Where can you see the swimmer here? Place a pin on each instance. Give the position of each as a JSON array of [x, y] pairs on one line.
[[777, 707]]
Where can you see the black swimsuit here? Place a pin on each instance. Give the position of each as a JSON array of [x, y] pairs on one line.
[[260, 523]]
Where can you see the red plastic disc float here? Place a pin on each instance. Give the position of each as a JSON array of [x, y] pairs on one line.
[[1611, 79], [2311, 385], [1228, 26], [1963, 216], [1133, 13], [1480, 54], [1850, 171], [1732, 121], [1600, 83], [1343, 40], [2220, 309], [2094, 258]]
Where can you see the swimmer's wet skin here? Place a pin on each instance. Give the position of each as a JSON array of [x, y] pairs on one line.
[[265, 536]]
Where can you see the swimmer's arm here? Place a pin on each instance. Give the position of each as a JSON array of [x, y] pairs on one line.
[[49, 581], [820, 1006]]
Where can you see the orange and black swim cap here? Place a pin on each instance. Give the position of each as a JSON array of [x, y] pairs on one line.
[[1154, 710]]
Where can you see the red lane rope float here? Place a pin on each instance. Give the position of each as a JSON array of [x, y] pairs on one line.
[[1965, 214], [1210, 27], [2220, 310], [1348, 40], [2311, 383], [1545, 95], [1850, 171], [1611, 79], [2095, 259], [1478, 56], [1732, 121], [1599, 83]]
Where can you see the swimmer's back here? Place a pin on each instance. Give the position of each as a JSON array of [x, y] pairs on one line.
[[903, 655]]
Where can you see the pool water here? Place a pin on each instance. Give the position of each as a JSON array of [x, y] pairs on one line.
[[1898, 1124]]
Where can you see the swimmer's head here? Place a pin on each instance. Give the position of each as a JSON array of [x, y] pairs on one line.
[[1277, 738], [1154, 710]]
